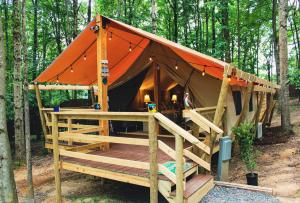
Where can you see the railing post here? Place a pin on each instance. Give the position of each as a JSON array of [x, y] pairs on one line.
[[69, 120], [179, 168], [153, 147], [56, 157]]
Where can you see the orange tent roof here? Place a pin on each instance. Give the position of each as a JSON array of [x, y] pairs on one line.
[[77, 63]]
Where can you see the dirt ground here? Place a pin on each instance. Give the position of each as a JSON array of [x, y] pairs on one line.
[[278, 168], [278, 164]]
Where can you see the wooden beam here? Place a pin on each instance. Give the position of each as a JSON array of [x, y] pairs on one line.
[[56, 159], [245, 187], [156, 74], [219, 110], [102, 86], [179, 169], [40, 106], [255, 118], [84, 138], [61, 87], [84, 147], [105, 159], [166, 149], [177, 130], [153, 148], [106, 174], [196, 159], [97, 115], [270, 102]]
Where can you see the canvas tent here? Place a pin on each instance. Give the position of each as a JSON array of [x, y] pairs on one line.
[[130, 51], [77, 64]]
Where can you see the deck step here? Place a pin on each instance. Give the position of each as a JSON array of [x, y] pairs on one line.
[[198, 182]]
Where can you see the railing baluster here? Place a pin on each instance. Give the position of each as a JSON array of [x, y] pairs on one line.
[[56, 157], [153, 147], [179, 168]]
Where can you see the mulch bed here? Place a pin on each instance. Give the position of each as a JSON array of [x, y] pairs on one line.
[[273, 135]]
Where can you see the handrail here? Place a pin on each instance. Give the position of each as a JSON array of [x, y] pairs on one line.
[[96, 115], [177, 130]]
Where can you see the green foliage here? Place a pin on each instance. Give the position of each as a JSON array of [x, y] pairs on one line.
[[294, 78], [245, 134]]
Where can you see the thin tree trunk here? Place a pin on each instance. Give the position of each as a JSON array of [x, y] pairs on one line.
[[18, 100], [154, 16], [297, 37], [75, 18], [238, 33], [206, 26], [30, 192], [175, 13], [213, 30], [8, 192], [89, 13], [35, 39], [275, 39], [283, 59], [225, 30]]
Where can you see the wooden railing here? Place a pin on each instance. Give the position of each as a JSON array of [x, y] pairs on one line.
[[94, 141]]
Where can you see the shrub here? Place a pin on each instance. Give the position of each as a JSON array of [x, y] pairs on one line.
[[245, 134]]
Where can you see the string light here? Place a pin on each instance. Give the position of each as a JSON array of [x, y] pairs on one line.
[[130, 48], [203, 73], [72, 69], [229, 78], [57, 79], [176, 66], [150, 58], [110, 36], [84, 57]]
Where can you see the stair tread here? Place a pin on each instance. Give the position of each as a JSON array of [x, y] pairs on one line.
[[194, 184]]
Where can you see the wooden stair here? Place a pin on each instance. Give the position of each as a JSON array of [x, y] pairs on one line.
[[195, 189]]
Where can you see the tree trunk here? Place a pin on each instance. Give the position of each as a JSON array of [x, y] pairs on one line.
[[238, 34], [35, 39], [18, 100], [225, 30], [89, 13], [175, 13], [283, 61], [30, 192], [8, 192], [213, 30], [275, 39], [75, 18], [154, 16], [206, 26]]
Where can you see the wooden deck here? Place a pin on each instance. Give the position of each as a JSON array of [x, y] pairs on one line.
[[128, 152]]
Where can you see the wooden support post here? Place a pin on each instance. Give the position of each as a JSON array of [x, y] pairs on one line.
[[255, 119], [40, 106], [270, 101], [246, 100], [179, 169], [156, 73], [153, 147], [102, 86], [56, 158], [69, 120], [219, 110]]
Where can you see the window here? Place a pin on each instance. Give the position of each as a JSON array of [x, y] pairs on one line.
[[251, 103], [237, 98]]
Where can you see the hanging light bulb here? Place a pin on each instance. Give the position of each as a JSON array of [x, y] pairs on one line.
[[72, 69], [150, 58], [229, 78], [84, 57], [57, 81], [176, 66], [130, 48], [110, 36], [203, 73]]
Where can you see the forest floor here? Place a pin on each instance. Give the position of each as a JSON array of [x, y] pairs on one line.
[[278, 168]]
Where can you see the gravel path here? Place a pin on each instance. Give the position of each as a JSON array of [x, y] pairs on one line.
[[232, 195]]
